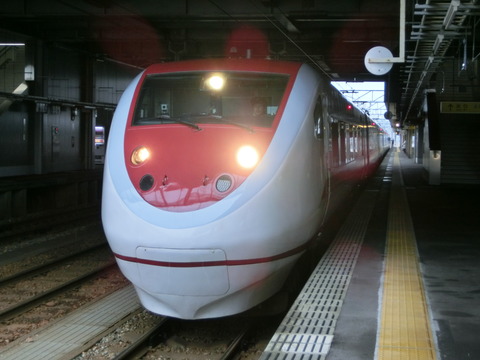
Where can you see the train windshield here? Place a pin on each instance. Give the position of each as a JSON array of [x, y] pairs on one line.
[[244, 99]]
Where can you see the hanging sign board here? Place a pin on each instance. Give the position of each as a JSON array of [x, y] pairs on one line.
[[460, 107]]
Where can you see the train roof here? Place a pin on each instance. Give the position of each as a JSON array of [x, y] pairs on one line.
[[226, 64]]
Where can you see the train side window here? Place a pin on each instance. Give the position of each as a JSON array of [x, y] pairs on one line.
[[318, 119], [335, 133]]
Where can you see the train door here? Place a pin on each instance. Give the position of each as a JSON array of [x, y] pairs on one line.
[[366, 146], [321, 133], [334, 144], [342, 143]]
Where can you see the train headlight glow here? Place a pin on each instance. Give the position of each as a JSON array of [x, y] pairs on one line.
[[140, 155], [247, 156], [215, 82]]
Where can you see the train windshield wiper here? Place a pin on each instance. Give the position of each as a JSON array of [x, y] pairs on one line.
[[181, 120], [185, 120]]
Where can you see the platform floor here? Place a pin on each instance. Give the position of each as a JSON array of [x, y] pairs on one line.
[[401, 279]]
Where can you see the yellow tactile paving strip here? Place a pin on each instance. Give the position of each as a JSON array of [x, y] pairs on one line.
[[404, 329]]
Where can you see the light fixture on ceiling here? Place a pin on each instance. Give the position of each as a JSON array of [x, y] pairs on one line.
[[438, 42], [429, 62], [11, 44], [451, 12]]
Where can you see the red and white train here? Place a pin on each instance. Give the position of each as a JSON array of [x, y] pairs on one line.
[[218, 175]]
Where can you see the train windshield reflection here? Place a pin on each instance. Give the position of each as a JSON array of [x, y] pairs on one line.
[[244, 99]]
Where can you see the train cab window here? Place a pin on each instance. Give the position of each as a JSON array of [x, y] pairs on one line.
[[250, 99]]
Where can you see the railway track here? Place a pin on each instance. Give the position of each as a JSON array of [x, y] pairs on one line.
[[31, 298], [26, 271], [137, 334], [24, 290], [147, 336], [42, 288]]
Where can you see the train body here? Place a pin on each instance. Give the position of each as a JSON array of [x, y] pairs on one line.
[[218, 175]]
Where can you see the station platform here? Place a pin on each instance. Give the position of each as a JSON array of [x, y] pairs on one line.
[[401, 279]]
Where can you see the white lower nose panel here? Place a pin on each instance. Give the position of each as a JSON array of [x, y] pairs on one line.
[[183, 272]]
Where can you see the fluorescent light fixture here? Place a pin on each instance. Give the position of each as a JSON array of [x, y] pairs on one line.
[[438, 42], [12, 44], [429, 62], [451, 12], [21, 89]]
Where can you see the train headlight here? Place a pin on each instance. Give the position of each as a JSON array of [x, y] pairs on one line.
[[140, 155], [247, 156], [215, 82]]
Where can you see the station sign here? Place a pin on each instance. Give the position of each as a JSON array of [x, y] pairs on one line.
[[460, 107]]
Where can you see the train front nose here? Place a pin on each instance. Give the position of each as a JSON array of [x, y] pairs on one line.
[[179, 170], [183, 272]]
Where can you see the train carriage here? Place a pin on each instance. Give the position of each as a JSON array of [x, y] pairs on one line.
[[218, 175]]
